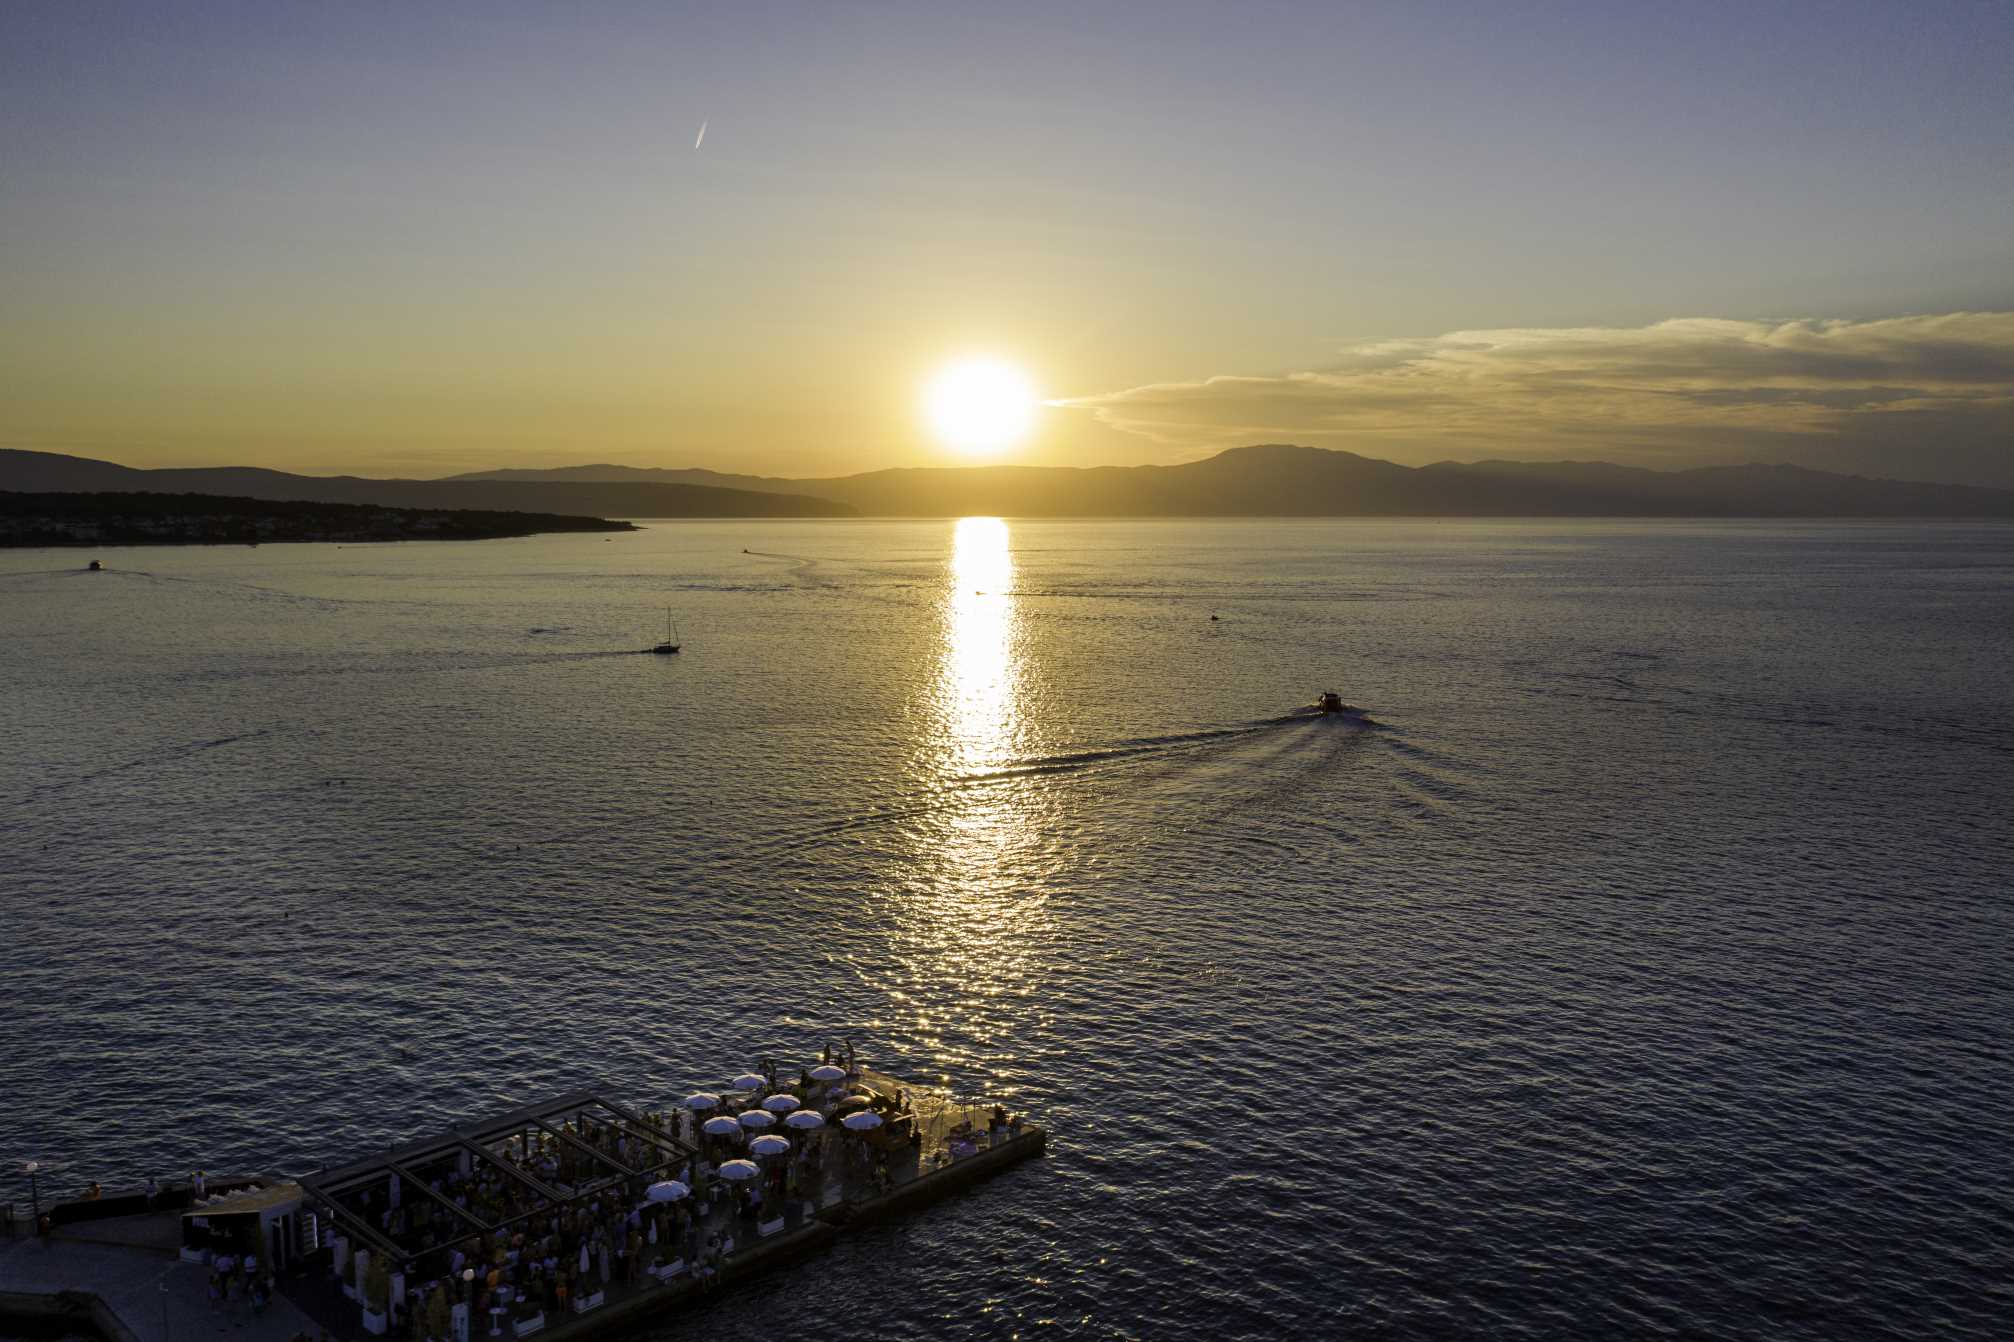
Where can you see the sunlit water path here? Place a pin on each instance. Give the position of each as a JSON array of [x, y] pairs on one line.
[[1645, 966]]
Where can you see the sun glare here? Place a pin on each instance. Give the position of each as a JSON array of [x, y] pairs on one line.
[[980, 406]]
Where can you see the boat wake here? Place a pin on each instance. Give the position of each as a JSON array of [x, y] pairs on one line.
[[1229, 785], [804, 570], [164, 755], [1139, 746]]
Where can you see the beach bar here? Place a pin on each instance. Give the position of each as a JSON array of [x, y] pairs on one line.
[[573, 1216]]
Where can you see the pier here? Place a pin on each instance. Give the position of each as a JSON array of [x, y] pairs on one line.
[[568, 1218]]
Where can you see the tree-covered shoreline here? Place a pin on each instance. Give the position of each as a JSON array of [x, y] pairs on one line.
[[65, 519]]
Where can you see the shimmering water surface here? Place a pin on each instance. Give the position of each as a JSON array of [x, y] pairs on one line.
[[1646, 968]]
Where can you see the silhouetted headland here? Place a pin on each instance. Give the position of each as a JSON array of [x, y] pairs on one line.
[[209, 519]]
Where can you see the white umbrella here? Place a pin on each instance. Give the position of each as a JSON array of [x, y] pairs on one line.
[[671, 1190], [702, 1102], [827, 1072], [805, 1118], [757, 1118], [769, 1144], [780, 1104], [750, 1081], [720, 1126], [862, 1121], [738, 1170]]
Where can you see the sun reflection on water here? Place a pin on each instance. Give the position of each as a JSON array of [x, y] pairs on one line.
[[979, 681], [975, 916]]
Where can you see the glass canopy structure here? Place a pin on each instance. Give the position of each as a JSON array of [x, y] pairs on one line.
[[495, 1177]]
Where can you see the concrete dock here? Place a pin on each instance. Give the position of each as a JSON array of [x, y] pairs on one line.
[[127, 1292]]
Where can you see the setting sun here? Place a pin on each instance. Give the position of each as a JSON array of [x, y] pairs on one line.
[[980, 406]]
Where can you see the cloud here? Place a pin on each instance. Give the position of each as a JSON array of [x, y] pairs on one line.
[[1925, 397]]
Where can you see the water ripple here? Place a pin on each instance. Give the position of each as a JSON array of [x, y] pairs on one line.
[[1643, 969]]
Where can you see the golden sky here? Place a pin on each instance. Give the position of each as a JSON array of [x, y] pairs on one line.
[[456, 237]]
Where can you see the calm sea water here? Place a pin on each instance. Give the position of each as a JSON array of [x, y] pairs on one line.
[[1646, 968]]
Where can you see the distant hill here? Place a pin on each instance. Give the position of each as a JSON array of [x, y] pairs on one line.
[[639, 475], [1273, 480], [1278, 480], [52, 472], [110, 517]]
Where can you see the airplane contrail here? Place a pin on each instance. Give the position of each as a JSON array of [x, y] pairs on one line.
[[702, 135]]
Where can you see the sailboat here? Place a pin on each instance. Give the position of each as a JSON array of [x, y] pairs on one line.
[[670, 643]]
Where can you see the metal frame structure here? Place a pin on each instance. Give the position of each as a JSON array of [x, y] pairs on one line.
[[327, 1187]]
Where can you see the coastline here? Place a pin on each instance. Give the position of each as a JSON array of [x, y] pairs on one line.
[[73, 520]]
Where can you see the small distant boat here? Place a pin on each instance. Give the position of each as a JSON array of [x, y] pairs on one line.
[[670, 644], [97, 567], [1331, 702]]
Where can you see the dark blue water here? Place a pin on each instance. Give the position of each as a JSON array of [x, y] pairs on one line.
[[1645, 967]]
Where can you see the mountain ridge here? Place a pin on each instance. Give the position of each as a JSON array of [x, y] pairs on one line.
[[1260, 480], [51, 472]]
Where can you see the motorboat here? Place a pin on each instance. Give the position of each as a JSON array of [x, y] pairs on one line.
[[1331, 702]]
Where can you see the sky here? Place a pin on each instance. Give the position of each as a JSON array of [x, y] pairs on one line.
[[417, 239]]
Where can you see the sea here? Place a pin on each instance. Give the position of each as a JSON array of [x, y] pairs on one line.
[[1639, 964]]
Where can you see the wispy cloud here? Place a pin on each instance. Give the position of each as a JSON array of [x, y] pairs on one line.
[[1928, 397]]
